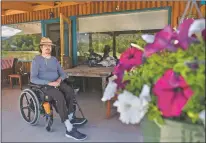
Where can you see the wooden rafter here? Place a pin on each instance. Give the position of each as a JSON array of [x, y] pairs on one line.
[[9, 8], [46, 3], [10, 12], [66, 3], [23, 6], [41, 7]]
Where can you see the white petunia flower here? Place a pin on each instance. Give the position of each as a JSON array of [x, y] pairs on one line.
[[148, 38], [137, 46], [196, 27], [145, 93], [132, 108], [202, 116], [110, 90], [112, 78]]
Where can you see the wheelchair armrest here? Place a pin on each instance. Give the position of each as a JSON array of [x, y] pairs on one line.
[[34, 85]]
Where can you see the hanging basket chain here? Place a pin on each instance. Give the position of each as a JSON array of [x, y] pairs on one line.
[[188, 7]]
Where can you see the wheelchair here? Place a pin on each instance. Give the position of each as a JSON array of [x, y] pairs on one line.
[[41, 105]]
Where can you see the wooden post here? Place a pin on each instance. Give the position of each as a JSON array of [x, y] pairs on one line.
[[114, 44], [62, 38], [90, 40], [70, 39]]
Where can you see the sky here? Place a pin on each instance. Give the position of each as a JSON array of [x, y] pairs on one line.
[[9, 31]]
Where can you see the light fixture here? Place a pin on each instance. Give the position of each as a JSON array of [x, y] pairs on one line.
[[117, 8], [51, 15]]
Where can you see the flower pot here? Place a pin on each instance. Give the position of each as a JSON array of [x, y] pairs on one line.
[[172, 131]]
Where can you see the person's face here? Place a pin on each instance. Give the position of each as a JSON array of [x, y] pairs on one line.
[[46, 49]]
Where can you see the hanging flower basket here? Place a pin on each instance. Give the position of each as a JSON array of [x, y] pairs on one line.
[[172, 131], [162, 86]]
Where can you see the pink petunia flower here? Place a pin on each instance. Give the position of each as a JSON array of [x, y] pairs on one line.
[[130, 58], [172, 93], [119, 72], [181, 36], [204, 34], [162, 40]]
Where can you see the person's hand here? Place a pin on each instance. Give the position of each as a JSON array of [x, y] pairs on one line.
[[59, 80], [55, 84]]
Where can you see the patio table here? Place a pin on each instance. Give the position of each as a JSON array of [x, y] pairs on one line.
[[86, 71]]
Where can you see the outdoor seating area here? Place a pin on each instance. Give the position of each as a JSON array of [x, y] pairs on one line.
[[14, 72], [103, 71]]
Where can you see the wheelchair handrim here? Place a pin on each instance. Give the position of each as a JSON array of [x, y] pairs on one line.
[[36, 106]]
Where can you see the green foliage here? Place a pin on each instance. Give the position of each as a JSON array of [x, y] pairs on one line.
[[22, 43], [140, 41], [157, 64], [100, 40], [196, 80]]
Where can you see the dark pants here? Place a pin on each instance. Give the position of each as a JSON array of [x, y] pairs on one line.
[[63, 96]]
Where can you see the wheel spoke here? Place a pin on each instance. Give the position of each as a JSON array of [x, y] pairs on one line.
[[31, 109], [26, 107], [27, 101], [29, 114]]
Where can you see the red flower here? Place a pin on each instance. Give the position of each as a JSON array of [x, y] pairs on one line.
[[130, 58], [172, 93]]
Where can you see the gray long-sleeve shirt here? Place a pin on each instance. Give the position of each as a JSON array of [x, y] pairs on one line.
[[45, 70]]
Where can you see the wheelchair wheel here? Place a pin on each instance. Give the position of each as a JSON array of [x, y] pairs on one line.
[[31, 105]]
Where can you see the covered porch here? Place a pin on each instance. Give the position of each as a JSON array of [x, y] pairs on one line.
[[98, 128]]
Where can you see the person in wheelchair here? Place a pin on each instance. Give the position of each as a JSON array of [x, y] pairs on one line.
[[46, 71]]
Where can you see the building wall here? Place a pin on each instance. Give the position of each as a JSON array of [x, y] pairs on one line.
[[98, 7]]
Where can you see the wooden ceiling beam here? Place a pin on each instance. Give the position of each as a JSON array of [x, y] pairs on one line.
[[9, 8], [45, 3], [11, 12], [41, 7], [22, 6], [67, 3]]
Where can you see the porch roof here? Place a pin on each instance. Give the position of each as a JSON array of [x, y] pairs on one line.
[[17, 7]]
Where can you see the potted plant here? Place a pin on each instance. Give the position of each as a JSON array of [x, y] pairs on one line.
[[162, 86]]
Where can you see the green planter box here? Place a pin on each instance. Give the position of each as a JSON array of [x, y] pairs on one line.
[[172, 131]]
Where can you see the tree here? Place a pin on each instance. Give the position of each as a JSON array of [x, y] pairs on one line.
[[6, 46], [24, 47]]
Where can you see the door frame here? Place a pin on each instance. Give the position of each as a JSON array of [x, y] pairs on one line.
[[44, 24], [65, 37]]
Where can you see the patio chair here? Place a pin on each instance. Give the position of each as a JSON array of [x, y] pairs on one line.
[[19, 73], [41, 104]]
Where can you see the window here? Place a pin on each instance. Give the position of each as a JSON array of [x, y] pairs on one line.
[[117, 30], [21, 40]]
